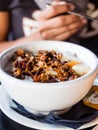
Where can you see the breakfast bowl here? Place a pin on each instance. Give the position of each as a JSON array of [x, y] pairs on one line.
[[43, 97]]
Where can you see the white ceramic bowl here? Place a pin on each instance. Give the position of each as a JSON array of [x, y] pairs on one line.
[[44, 97]]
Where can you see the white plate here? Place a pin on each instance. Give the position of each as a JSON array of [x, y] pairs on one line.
[[5, 101]]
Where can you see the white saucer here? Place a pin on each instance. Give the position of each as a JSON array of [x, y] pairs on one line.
[[5, 101]]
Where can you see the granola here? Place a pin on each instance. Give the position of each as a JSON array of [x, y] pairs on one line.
[[44, 66]]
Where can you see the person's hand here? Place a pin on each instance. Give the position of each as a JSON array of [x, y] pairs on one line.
[[53, 24]]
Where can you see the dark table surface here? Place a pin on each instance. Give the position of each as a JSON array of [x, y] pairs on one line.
[[8, 124]]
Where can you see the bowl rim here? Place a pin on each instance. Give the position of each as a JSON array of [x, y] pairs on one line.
[[4, 74]]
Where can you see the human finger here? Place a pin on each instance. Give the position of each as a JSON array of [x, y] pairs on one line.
[[48, 34], [54, 10], [59, 21], [36, 14], [57, 31], [65, 35], [78, 24]]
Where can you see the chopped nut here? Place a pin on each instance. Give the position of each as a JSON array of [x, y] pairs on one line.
[[44, 66], [20, 52]]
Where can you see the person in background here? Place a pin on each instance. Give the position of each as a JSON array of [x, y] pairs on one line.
[[88, 35], [27, 20]]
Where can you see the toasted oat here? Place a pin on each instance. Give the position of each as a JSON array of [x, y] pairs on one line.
[[44, 66]]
